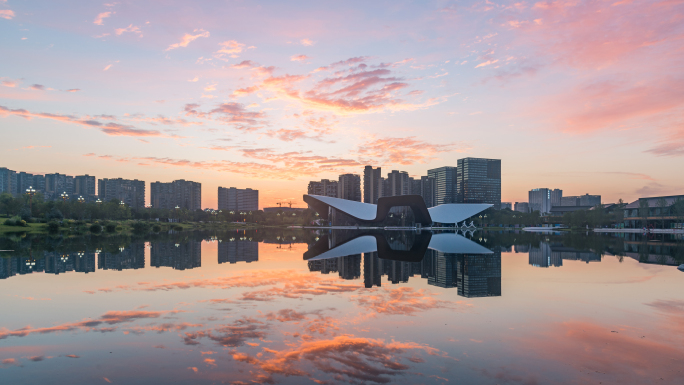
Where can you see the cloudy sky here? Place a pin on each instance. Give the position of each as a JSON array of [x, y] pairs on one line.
[[586, 96]]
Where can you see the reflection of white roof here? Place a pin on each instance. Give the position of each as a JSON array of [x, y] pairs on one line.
[[363, 244], [456, 212], [456, 244], [446, 243], [364, 211]]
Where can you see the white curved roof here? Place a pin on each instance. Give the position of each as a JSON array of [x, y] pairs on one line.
[[364, 211], [456, 212]]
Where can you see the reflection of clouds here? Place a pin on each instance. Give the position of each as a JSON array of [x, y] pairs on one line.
[[592, 348], [403, 301], [346, 358], [109, 318], [673, 311], [231, 335]]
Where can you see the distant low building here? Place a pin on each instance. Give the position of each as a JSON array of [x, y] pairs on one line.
[[581, 200], [506, 205], [542, 199], [665, 211], [522, 207]]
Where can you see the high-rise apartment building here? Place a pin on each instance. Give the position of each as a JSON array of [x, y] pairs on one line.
[[8, 180], [397, 184], [349, 187], [131, 192], [236, 199], [445, 184], [39, 183], [427, 190], [84, 185], [325, 187], [372, 184], [56, 184], [24, 181], [478, 180], [542, 199], [182, 193]]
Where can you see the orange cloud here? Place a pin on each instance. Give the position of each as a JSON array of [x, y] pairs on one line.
[[109, 318], [402, 301], [188, 38], [306, 42], [347, 358], [110, 128], [405, 151]]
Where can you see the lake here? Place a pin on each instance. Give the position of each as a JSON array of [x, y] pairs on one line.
[[342, 306]]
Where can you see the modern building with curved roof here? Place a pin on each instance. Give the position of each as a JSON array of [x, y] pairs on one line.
[[369, 214]]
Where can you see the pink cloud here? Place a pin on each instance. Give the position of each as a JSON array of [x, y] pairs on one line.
[[131, 29], [6, 14], [230, 48], [100, 17], [299, 58], [188, 38]]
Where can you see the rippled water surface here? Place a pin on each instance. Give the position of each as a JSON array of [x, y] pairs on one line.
[[296, 307]]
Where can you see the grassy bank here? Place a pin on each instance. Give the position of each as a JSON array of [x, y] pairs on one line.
[[126, 226]]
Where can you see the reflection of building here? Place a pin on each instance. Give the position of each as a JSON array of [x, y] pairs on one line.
[[479, 275], [553, 254], [179, 256], [238, 199], [473, 275], [325, 266], [371, 270], [479, 181], [349, 187], [238, 251], [56, 263], [543, 257], [129, 257], [349, 267]]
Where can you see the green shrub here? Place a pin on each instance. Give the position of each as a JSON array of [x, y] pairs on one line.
[[178, 228], [156, 228], [16, 221], [95, 228], [53, 226], [110, 227], [140, 227]]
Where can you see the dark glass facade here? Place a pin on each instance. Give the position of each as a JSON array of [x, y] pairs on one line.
[[479, 181], [444, 185]]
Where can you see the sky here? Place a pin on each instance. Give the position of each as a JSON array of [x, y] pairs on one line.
[[585, 96]]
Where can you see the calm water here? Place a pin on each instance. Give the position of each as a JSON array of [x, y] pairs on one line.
[[304, 307]]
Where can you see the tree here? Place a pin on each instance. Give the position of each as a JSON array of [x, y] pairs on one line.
[[644, 211]]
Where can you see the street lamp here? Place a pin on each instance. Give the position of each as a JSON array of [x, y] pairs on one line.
[[81, 199], [121, 203], [64, 196], [98, 201], [31, 192]]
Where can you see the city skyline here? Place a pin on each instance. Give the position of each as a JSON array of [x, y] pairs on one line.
[[123, 90]]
